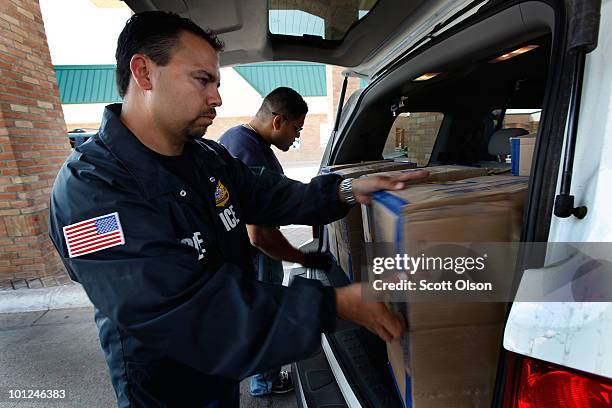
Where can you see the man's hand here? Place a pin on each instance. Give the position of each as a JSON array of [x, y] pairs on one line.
[[364, 187], [374, 316]]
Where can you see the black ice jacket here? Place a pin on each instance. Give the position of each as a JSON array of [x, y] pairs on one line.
[[180, 314]]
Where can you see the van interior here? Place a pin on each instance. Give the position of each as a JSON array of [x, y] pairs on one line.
[[467, 90], [481, 75]]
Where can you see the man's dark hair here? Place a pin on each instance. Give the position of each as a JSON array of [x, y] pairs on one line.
[[154, 34], [283, 101]]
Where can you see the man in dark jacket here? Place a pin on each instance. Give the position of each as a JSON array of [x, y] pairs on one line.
[[278, 122], [150, 218]]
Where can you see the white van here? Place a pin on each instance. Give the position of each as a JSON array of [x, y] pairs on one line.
[[471, 68]]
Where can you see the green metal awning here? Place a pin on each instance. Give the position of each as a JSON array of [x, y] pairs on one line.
[[83, 84], [86, 83], [306, 78]]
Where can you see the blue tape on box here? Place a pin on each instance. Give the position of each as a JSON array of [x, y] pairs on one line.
[[408, 392], [394, 204], [391, 202], [515, 154], [408, 402]]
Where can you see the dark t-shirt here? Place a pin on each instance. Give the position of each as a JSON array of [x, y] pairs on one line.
[[247, 146], [182, 167], [250, 148]]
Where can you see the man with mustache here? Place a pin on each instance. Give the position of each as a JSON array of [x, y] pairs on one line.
[[150, 219], [278, 122]]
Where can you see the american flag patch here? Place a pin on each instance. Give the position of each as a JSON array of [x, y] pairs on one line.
[[94, 234]]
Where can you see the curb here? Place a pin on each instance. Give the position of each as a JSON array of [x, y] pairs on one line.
[[63, 297], [34, 300]]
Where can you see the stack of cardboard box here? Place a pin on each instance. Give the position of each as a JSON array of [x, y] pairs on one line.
[[474, 209], [346, 234], [436, 174], [331, 228], [448, 356], [336, 167]]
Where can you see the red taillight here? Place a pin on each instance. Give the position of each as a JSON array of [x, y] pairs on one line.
[[545, 385]]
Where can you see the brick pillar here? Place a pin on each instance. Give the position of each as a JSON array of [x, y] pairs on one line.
[[33, 142]]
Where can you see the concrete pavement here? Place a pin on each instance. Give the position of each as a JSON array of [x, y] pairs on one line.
[[59, 349], [56, 349]]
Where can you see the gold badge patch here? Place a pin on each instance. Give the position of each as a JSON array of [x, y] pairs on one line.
[[221, 195]]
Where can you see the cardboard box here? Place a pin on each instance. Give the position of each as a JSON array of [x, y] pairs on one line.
[[401, 377], [373, 167], [333, 242], [485, 208], [349, 240], [448, 356], [348, 231], [436, 174], [336, 167], [521, 152], [345, 260], [447, 367]]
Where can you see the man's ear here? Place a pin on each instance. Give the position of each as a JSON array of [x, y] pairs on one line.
[[141, 66], [277, 120]]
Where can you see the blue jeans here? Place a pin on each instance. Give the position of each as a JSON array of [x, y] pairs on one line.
[[261, 384], [271, 271]]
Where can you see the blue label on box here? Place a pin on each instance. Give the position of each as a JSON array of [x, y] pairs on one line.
[[408, 390], [515, 155], [394, 204]]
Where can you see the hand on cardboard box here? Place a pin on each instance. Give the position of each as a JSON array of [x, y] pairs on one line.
[[363, 187], [374, 316]]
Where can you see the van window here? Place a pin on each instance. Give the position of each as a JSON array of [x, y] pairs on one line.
[[528, 119], [330, 21], [413, 135]]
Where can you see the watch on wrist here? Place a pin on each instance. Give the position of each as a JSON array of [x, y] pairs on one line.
[[346, 190]]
